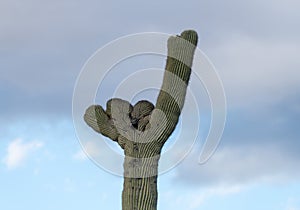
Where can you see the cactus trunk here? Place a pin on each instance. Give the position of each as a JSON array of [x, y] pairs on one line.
[[140, 176], [139, 193]]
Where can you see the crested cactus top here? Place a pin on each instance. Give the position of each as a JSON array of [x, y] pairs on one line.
[[120, 114]]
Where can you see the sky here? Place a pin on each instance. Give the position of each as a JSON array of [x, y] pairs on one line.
[[254, 46]]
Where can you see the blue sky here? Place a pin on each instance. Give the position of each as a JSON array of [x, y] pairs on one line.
[[254, 46]]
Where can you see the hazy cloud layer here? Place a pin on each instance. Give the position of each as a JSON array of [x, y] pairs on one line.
[[44, 45], [253, 44], [258, 73], [259, 145], [241, 165]]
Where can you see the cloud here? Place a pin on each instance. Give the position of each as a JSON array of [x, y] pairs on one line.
[[18, 151], [293, 203], [241, 165], [46, 49], [257, 72], [80, 155], [89, 148], [195, 198], [254, 46]]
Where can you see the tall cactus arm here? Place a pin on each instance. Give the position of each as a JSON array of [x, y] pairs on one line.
[[176, 77]]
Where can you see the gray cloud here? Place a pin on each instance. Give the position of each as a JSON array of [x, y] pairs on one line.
[[44, 45], [240, 166], [258, 73], [257, 146], [275, 124], [254, 45]]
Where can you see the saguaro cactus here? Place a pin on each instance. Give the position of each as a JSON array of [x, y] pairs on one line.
[[142, 130]]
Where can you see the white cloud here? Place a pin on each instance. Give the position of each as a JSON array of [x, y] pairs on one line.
[[241, 165], [195, 199], [89, 149], [18, 151], [80, 155], [293, 203]]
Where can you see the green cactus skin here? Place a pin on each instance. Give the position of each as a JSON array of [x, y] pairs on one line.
[[121, 121]]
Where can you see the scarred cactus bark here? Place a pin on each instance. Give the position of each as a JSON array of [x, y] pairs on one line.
[[142, 130]]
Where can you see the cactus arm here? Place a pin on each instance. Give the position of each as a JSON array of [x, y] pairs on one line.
[[111, 122], [177, 74], [100, 122]]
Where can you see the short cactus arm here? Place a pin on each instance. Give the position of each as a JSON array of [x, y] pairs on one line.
[[98, 119], [176, 77], [104, 122]]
